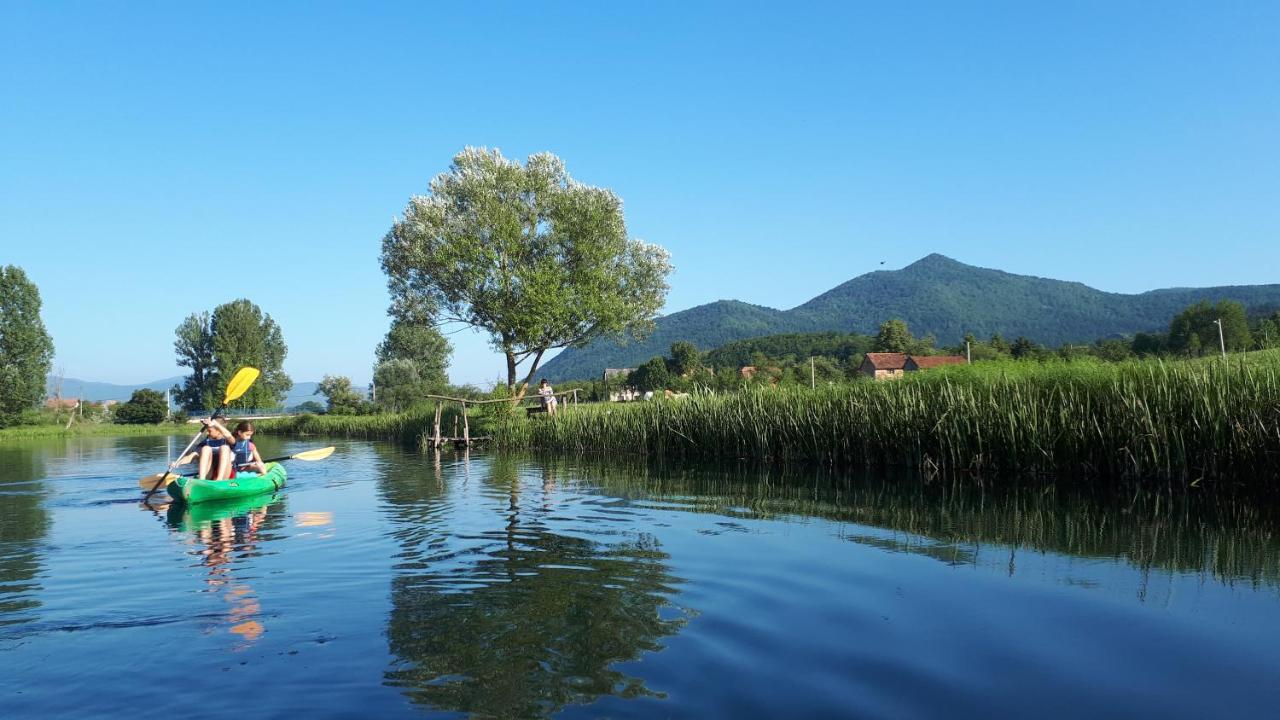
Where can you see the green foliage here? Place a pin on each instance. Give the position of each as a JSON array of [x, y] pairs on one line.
[[217, 345], [525, 254], [1145, 344], [342, 398], [310, 406], [144, 407], [1024, 349], [26, 350], [893, 337], [410, 428], [685, 358], [651, 376], [1194, 331], [421, 344], [841, 347], [1144, 420], [1266, 333], [399, 386], [194, 348]]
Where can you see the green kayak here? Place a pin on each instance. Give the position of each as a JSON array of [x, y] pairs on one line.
[[194, 490]]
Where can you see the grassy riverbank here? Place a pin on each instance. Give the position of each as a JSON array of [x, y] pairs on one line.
[[1181, 422], [411, 428], [22, 432]]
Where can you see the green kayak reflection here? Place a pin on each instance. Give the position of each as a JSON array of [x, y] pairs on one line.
[[227, 532]]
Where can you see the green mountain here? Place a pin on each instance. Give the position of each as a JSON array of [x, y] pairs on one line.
[[935, 295]]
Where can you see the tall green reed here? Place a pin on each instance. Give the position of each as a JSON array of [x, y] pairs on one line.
[[1185, 421]]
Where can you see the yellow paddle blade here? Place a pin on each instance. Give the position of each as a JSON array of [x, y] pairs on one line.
[[240, 384], [317, 454], [150, 481]]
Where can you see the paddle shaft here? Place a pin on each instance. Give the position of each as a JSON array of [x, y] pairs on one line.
[[282, 458], [192, 444]]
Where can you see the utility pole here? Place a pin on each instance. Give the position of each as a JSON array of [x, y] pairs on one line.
[[812, 378], [968, 353], [1222, 343]]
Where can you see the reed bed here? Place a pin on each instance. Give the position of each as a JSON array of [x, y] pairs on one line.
[[1183, 422]]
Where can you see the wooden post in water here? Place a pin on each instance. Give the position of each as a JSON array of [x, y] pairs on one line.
[[435, 443], [466, 426]]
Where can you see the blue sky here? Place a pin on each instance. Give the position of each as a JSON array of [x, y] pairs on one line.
[[157, 159]]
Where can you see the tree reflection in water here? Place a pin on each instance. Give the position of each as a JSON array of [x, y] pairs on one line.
[[535, 620], [24, 523]]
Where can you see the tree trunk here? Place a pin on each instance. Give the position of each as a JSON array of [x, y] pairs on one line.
[[524, 386], [511, 370]]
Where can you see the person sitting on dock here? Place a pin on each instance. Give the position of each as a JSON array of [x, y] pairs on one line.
[[548, 397]]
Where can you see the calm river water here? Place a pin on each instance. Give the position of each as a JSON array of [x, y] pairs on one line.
[[382, 583]]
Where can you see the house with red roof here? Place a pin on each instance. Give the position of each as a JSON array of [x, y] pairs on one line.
[[887, 366], [925, 362], [883, 365]]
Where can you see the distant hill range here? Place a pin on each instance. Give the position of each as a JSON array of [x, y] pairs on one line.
[[935, 295], [99, 391]]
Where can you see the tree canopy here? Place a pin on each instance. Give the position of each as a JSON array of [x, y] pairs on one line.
[[524, 253], [651, 375], [216, 345], [144, 406], [342, 398], [685, 358], [26, 350], [413, 361], [1195, 332]]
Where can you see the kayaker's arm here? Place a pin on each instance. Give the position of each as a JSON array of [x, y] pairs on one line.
[[226, 434]]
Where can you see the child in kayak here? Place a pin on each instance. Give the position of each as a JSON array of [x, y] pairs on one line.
[[214, 453], [245, 457]]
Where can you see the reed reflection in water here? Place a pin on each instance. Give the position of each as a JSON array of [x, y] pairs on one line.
[[1222, 538]]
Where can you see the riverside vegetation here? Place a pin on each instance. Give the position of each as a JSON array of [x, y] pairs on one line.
[[1187, 422], [1174, 421]]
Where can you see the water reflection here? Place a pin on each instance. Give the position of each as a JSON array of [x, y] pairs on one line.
[[1230, 540], [496, 610], [24, 523], [226, 535]]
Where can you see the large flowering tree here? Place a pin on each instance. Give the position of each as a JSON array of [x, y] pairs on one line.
[[524, 253]]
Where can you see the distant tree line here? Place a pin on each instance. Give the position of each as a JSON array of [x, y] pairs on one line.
[[829, 357]]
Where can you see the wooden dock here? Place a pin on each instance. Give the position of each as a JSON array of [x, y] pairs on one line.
[[464, 440]]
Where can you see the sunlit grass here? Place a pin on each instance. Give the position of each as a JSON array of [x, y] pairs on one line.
[[78, 429], [1184, 421]]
